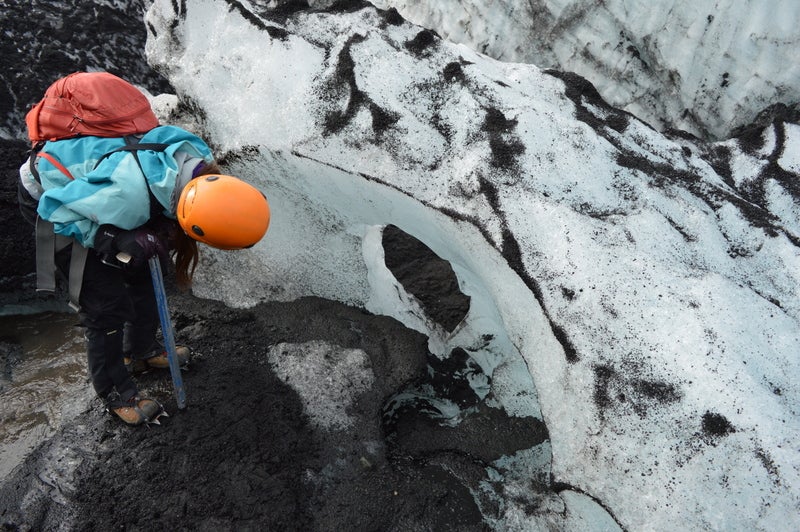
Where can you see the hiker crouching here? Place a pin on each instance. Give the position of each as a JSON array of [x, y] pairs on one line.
[[106, 198]]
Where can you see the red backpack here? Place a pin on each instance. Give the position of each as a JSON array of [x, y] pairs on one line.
[[87, 103], [90, 103]]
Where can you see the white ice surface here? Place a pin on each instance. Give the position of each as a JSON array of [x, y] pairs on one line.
[[703, 66], [659, 303], [328, 379]]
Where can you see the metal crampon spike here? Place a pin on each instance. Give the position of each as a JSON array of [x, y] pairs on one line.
[[156, 419]]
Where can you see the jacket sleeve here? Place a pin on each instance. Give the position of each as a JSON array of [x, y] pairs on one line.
[[28, 193]]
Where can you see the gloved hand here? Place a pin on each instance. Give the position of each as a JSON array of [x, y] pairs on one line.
[[104, 239], [140, 244]]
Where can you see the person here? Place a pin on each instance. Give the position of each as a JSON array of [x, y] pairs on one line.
[[124, 204]]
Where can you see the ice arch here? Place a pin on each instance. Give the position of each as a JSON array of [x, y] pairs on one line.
[[327, 240], [329, 243]]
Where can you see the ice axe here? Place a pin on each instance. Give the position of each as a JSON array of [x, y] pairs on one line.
[[166, 329], [166, 324]]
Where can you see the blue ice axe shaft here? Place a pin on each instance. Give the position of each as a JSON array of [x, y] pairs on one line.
[[166, 329]]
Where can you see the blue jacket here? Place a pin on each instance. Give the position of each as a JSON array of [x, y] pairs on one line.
[[116, 192]]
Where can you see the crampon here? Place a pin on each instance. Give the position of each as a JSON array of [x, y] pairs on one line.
[[136, 410]]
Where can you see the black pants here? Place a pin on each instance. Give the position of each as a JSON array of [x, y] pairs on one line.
[[120, 313]]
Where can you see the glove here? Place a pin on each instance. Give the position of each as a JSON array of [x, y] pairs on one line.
[[104, 240], [140, 244]]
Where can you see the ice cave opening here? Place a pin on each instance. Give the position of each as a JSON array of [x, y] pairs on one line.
[[455, 404]]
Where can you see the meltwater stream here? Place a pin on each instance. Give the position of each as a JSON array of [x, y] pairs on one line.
[[42, 368]]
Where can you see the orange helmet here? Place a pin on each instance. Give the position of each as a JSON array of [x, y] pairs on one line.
[[223, 211]]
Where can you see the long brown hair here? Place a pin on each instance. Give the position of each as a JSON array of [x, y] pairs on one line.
[[185, 250]]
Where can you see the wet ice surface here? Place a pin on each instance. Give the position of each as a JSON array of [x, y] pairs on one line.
[[42, 373]]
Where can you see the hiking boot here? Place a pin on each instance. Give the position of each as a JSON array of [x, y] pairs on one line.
[[157, 359], [135, 366], [161, 361], [134, 411]]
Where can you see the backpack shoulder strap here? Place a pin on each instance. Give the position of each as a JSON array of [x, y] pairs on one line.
[[36, 152], [132, 144], [48, 243], [32, 160], [45, 256]]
